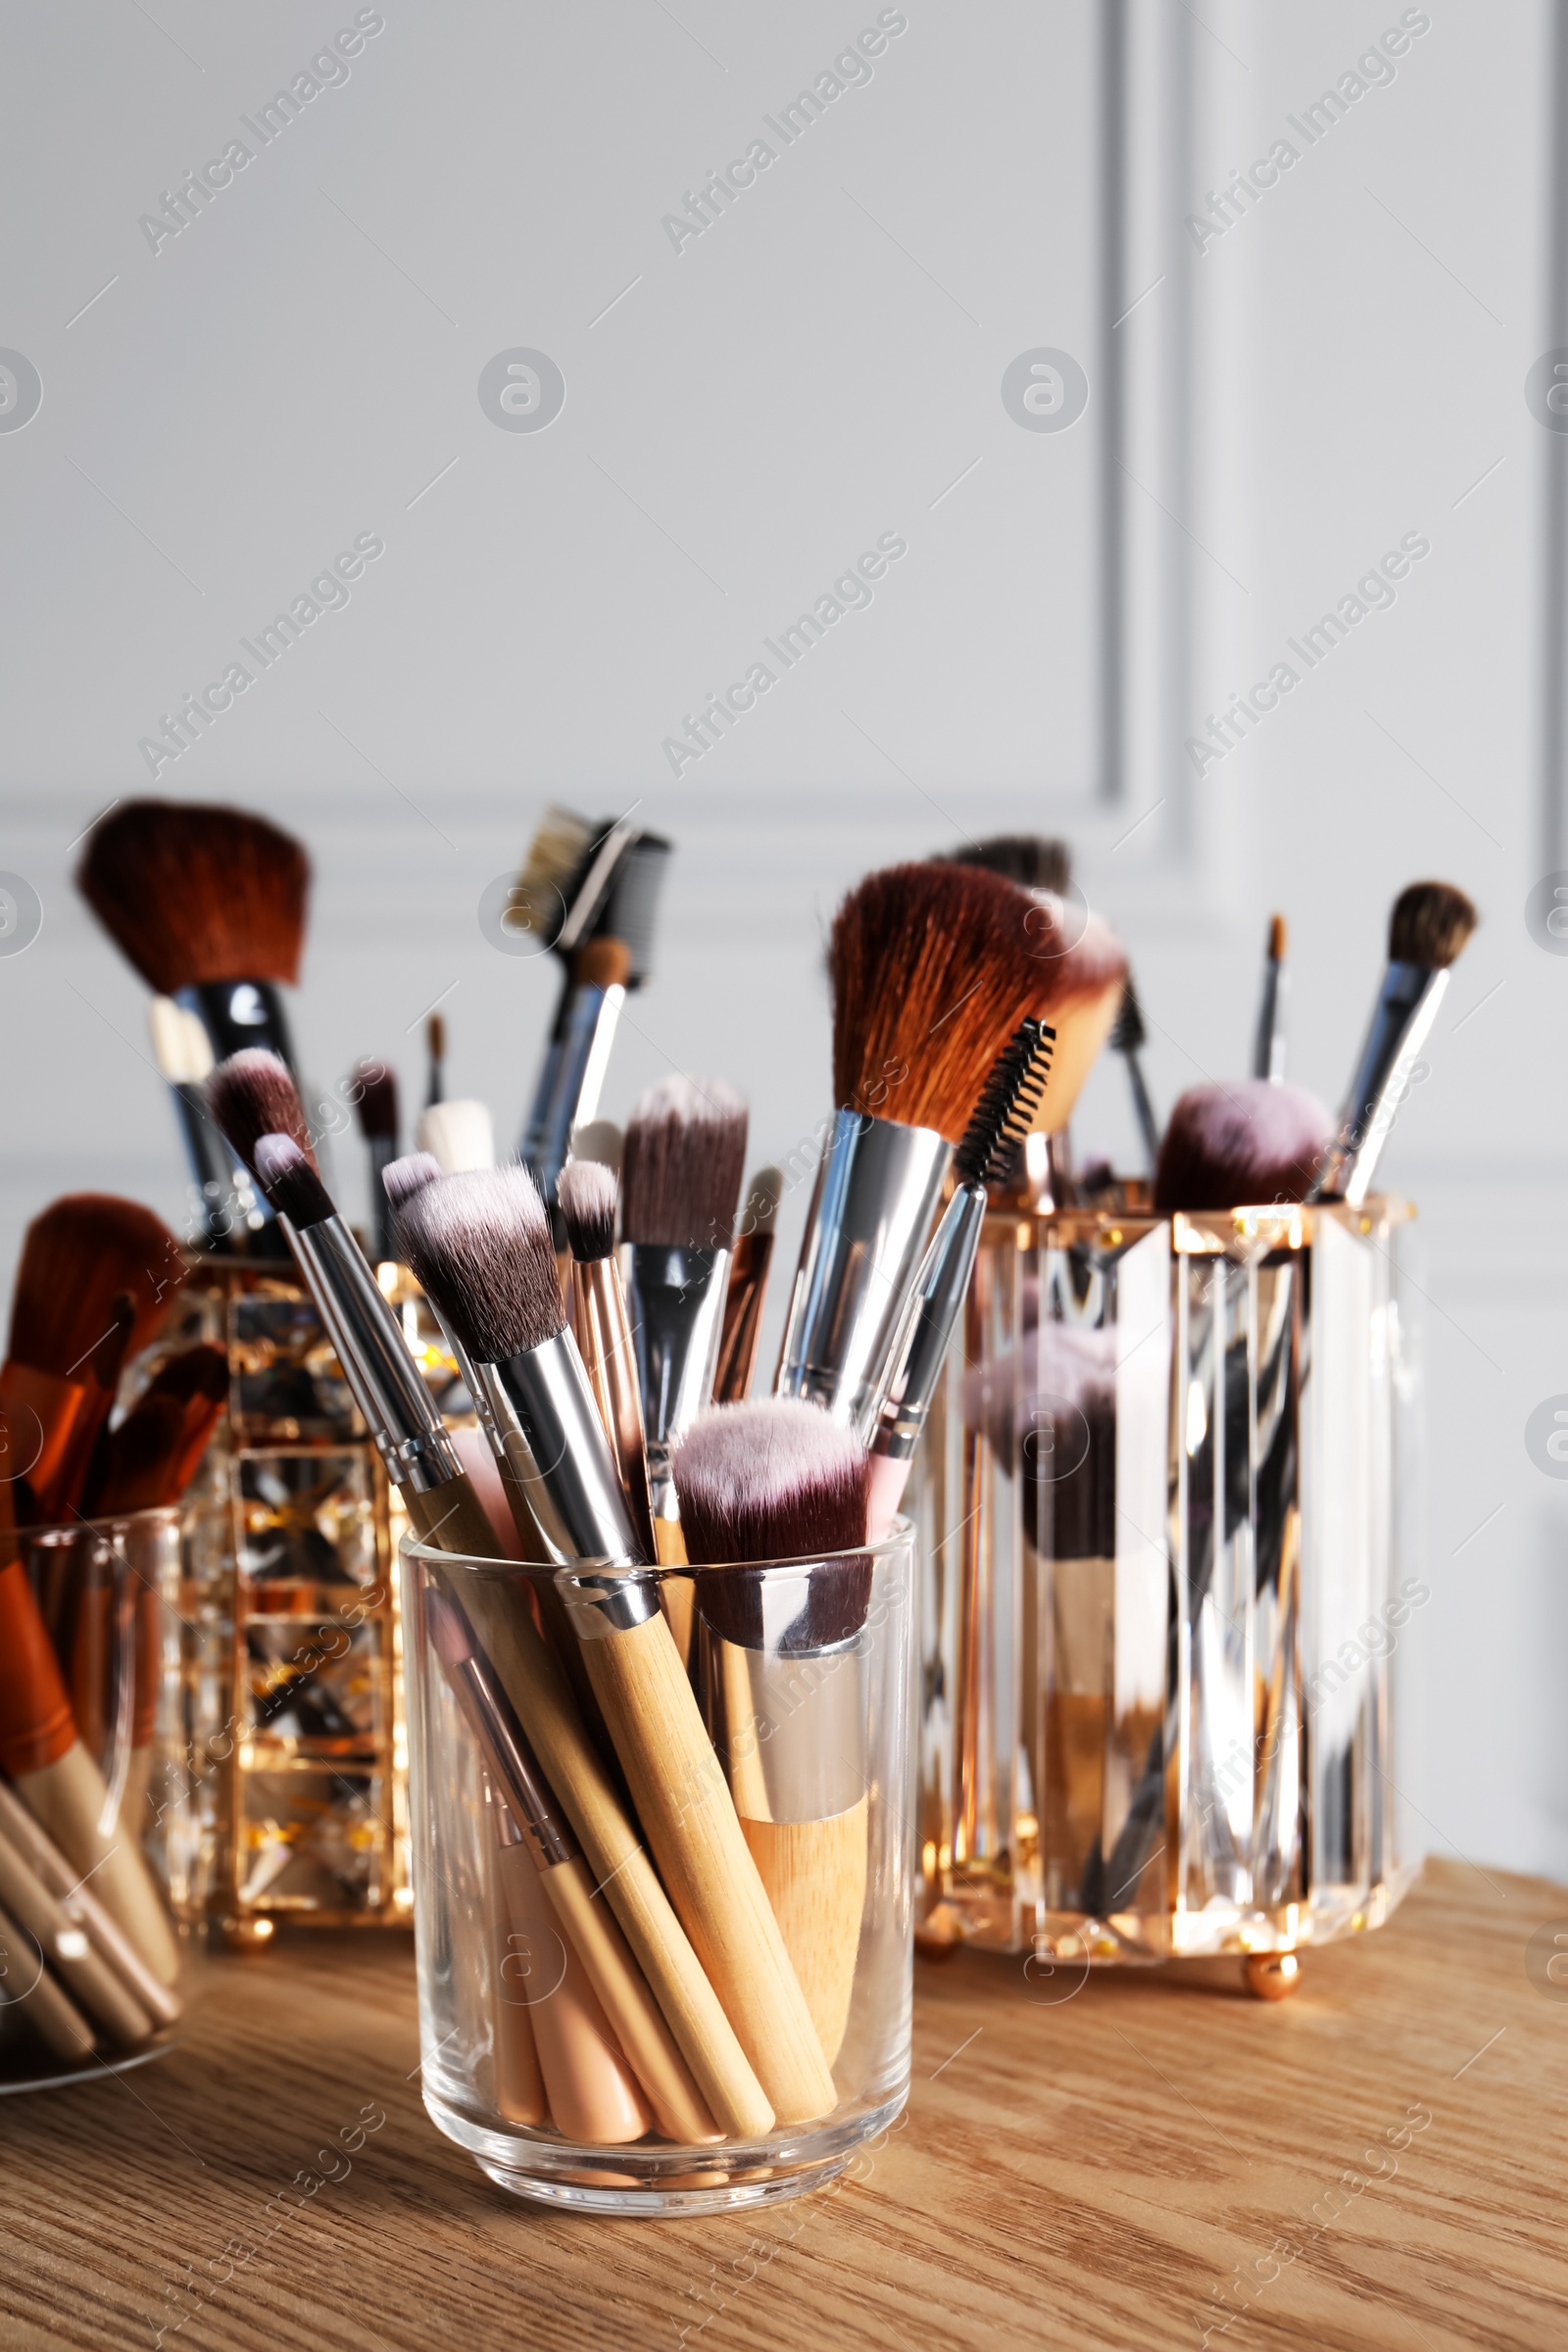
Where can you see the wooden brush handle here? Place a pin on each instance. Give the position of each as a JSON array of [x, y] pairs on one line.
[[814, 1872], [104, 1996], [56, 2020], [452, 1518], [592, 2094], [645, 2039], [68, 1797], [519, 2088], [683, 1801]]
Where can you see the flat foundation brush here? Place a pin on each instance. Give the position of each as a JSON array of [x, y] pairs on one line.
[[932, 968], [780, 1663], [446, 1512], [680, 1175], [586, 1195], [481, 1246], [1429, 929]]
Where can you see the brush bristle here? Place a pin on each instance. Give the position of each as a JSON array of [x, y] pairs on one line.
[[290, 1182], [630, 911], [377, 1106], [1006, 1111], [586, 1192], [402, 1178], [1029, 860], [1241, 1147], [932, 969], [80, 1258], [435, 1037], [190, 893], [762, 1196], [460, 1134], [199, 1371], [253, 1093], [1431, 925], [1129, 1034], [681, 1170], [540, 897], [480, 1245], [1278, 938], [600, 1140], [773, 1479]]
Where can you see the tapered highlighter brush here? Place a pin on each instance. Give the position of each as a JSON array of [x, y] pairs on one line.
[[446, 1512], [1429, 929], [680, 1177], [1245, 1145], [932, 968], [209, 905], [643, 2039], [1128, 1037], [586, 1193], [1007, 1108], [482, 1249], [374, 1094], [747, 1293], [779, 1660], [1269, 1047]]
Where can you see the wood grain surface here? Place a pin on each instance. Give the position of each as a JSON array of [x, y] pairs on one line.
[[1083, 2170]]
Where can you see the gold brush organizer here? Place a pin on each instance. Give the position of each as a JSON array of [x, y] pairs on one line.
[[1168, 1555], [295, 1752]]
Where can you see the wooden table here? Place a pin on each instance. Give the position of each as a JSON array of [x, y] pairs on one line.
[[1083, 2172]]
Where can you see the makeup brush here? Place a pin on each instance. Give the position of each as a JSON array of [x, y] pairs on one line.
[[1429, 929], [932, 969], [436, 1039], [1268, 1051], [208, 905], [82, 1906], [445, 1511], [1127, 1038], [643, 2037], [51, 2012], [481, 1246], [457, 1136], [1030, 860], [748, 1287], [156, 1450], [680, 1174], [58, 1783], [1240, 1147], [102, 1996], [1008, 1107], [586, 1193], [95, 1282], [779, 1661], [185, 1056], [599, 1140], [605, 940], [376, 1105]]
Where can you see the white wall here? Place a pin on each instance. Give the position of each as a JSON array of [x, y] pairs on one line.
[[754, 411]]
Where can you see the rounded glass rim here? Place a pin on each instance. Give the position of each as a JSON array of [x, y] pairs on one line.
[[900, 1538]]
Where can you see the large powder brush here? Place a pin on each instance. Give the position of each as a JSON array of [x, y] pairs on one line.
[[1244, 1146]]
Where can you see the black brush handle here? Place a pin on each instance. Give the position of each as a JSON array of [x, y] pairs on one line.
[[238, 1015]]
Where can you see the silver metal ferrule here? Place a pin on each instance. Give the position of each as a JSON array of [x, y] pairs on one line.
[[675, 1306], [399, 1410], [877, 1194], [791, 1725], [539, 1414], [939, 1294], [1402, 1022]]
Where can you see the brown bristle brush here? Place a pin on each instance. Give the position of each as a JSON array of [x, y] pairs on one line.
[[374, 1095], [585, 1195], [209, 905], [156, 1450], [680, 1176], [1032, 860], [1429, 929], [1246, 1145], [778, 1660], [748, 1287], [481, 1246], [95, 1280], [933, 968]]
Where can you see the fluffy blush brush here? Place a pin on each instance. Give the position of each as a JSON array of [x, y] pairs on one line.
[[1240, 1147], [779, 1661]]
